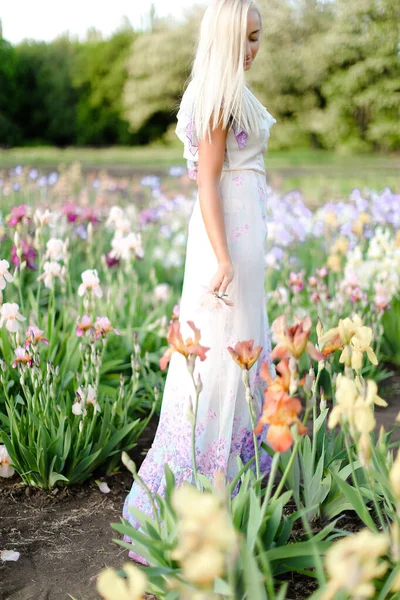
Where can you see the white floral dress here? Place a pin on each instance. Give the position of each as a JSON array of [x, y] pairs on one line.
[[223, 430]]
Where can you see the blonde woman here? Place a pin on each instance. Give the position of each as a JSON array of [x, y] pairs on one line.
[[224, 129]]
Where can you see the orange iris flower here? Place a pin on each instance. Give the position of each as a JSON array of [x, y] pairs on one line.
[[191, 346], [280, 411], [281, 383], [335, 343], [293, 340], [244, 354]]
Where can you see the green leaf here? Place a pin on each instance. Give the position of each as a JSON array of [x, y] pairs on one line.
[[173, 595], [254, 521], [54, 477], [169, 477], [320, 420], [282, 592], [285, 531], [238, 507], [204, 480], [221, 587], [272, 525], [297, 549], [140, 515], [357, 503], [158, 571], [118, 436], [83, 467], [253, 579], [67, 442], [30, 458], [298, 564], [388, 584], [336, 506], [285, 497]]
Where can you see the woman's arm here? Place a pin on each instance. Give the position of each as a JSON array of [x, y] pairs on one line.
[[210, 162]]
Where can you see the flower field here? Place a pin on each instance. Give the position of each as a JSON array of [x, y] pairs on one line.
[[91, 269]]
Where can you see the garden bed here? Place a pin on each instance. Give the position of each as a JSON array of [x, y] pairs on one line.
[[65, 538]]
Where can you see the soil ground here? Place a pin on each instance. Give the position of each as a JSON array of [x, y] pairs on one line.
[[65, 538]]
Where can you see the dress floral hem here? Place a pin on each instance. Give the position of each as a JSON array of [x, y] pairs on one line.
[[154, 476]]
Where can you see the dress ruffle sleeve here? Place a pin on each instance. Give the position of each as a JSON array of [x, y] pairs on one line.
[[186, 131], [270, 119]]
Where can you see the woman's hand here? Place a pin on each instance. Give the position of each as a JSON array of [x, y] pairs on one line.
[[222, 277]]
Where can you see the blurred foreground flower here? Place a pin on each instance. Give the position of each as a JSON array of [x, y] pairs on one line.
[[122, 247], [355, 400], [102, 326], [110, 261], [5, 275], [90, 283], [10, 315], [359, 344], [162, 292], [84, 397], [52, 270], [332, 344], [189, 348], [296, 281], [42, 217], [280, 384], [356, 339], [34, 335], [280, 410], [22, 356], [28, 254], [206, 536], [352, 564], [112, 587], [19, 214], [293, 340], [84, 325], [5, 469], [89, 215], [56, 249], [71, 211], [354, 404], [244, 354], [394, 477]]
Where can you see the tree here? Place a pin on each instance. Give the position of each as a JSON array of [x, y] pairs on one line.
[[99, 76], [45, 100], [9, 132], [363, 82], [287, 75], [158, 66]]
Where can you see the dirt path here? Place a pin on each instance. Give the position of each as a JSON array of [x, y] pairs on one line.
[[65, 539]]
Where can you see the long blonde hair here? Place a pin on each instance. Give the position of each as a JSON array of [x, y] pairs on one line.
[[218, 73]]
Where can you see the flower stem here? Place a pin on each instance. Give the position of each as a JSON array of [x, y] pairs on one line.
[[271, 479], [193, 423], [132, 468], [250, 402], [267, 570], [287, 470]]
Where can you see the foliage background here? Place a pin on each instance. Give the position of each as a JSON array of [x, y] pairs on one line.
[[329, 71]]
